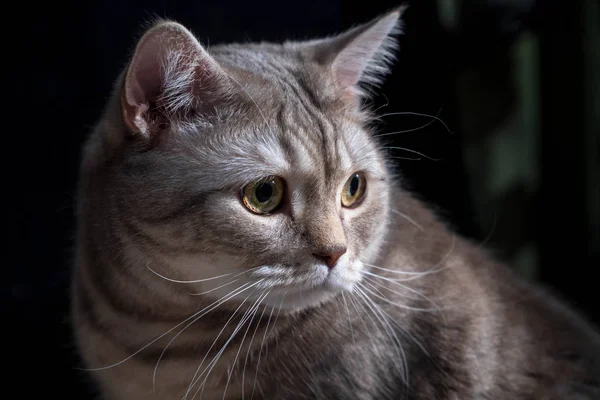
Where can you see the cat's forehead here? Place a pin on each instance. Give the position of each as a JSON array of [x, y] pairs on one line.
[[282, 121], [271, 73], [243, 150]]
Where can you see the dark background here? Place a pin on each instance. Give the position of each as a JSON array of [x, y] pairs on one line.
[[515, 81]]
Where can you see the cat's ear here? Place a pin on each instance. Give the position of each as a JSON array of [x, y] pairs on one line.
[[361, 55], [170, 74]]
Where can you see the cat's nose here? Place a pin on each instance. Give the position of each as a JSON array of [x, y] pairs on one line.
[[331, 257]]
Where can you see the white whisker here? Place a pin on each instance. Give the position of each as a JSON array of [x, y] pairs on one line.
[[229, 296], [393, 321], [197, 377], [255, 307], [263, 342], [408, 219], [215, 359], [413, 151], [387, 103], [365, 311], [349, 319], [352, 301], [393, 281], [212, 290], [435, 117], [406, 158], [437, 308], [250, 348], [225, 284], [416, 275], [167, 332], [394, 271], [407, 130], [251, 99], [382, 297], [179, 281], [390, 331]]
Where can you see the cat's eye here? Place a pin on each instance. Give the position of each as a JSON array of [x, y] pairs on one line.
[[264, 196], [354, 190]]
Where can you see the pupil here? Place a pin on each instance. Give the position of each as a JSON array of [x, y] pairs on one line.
[[264, 192], [354, 185]]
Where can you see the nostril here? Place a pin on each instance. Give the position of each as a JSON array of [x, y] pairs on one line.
[[331, 257]]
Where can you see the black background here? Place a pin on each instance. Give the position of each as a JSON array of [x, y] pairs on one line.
[[62, 62]]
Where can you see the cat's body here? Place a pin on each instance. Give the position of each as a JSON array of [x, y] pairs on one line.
[[344, 303]]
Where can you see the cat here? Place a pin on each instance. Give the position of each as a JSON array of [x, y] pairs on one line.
[[241, 234]]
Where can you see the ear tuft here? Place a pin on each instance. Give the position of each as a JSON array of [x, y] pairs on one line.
[[362, 55], [169, 75]]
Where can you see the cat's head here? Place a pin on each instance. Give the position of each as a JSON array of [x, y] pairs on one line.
[[250, 167]]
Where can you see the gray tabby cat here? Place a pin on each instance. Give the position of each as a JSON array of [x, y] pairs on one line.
[[241, 236]]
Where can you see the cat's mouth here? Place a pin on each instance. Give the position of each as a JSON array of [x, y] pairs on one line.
[[292, 288]]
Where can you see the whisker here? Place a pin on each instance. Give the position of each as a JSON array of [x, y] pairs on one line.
[[197, 377], [437, 308], [406, 158], [365, 311], [212, 290], [387, 103], [399, 326], [225, 284], [416, 275], [413, 151], [397, 304], [390, 331], [435, 117], [393, 321], [179, 281], [393, 281], [489, 236], [250, 348], [275, 320], [352, 301], [256, 307], [349, 319], [407, 130], [220, 301], [394, 271], [371, 282], [406, 217], [215, 359], [187, 326], [263, 342], [252, 100]]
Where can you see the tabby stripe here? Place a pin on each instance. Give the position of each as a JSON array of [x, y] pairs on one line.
[[307, 100], [302, 140], [284, 141], [153, 244], [212, 322], [216, 319], [89, 311], [104, 278], [286, 79], [185, 209], [310, 95], [87, 308]]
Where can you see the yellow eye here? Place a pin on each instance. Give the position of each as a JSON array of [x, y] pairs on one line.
[[263, 196], [354, 190]]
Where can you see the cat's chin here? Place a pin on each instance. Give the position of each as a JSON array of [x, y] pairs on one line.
[[301, 300], [297, 300], [322, 286]]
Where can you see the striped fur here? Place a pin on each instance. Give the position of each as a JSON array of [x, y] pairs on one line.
[[409, 311]]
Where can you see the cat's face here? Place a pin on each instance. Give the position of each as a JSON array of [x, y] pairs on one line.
[[281, 194], [273, 203]]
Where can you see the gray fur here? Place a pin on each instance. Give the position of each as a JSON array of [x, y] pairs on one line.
[[410, 311]]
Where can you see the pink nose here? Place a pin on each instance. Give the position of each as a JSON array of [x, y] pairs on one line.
[[331, 257]]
